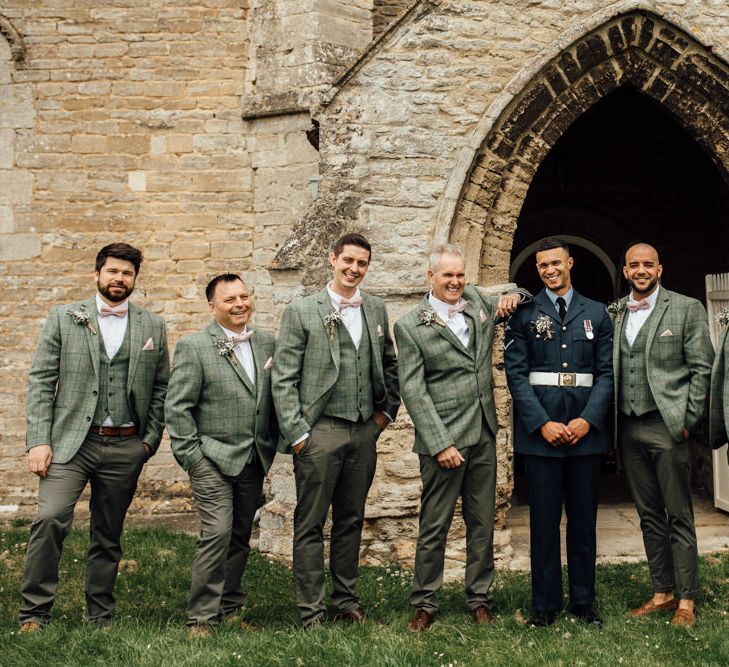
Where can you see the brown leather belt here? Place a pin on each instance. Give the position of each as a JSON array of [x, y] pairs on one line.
[[114, 431]]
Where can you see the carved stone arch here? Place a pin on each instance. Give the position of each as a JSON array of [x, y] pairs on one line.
[[15, 41], [637, 49]]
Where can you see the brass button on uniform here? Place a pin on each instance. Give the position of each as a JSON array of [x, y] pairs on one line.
[[564, 364], [564, 346]]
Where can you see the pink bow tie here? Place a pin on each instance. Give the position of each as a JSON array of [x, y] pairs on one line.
[[354, 302], [634, 306], [113, 312], [457, 308], [242, 337]]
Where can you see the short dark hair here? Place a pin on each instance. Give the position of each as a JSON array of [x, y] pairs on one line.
[[119, 251], [222, 278], [351, 239], [552, 242]]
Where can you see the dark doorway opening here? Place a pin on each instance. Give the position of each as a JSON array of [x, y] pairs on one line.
[[626, 170]]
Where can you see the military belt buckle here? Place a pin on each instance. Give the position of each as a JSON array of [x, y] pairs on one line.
[[567, 380]]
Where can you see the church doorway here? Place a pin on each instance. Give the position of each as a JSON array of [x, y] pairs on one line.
[[623, 171]]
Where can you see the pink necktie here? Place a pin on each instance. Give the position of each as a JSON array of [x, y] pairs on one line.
[[242, 337], [354, 302], [634, 306], [457, 308], [113, 312]]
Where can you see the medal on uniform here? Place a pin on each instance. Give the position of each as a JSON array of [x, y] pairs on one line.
[[588, 329]]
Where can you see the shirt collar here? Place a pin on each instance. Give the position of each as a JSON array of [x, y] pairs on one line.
[[441, 307], [100, 303], [230, 334], [567, 297], [337, 298], [650, 299]]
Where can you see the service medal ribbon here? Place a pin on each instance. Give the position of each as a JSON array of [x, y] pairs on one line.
[[588, 329]]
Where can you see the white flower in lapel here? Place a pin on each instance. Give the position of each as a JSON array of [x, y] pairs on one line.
[[429, 316], [481, 316], [333, 320], [542, 326], [615, 309], [226, 348], [722, 317], [82, 317]]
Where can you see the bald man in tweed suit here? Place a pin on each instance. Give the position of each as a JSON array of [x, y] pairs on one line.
[[719, 396], [335, 389], [223, 433], [445, 367], [662, 359], [94, 414]]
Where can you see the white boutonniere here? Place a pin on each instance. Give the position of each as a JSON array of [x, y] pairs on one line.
[[82, 317], [428, 316], [226, 348], [542, 326], [722, 317], [615, 309], [333, 320]]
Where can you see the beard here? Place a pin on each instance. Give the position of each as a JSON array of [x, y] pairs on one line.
[[117, 297], [648, 290]]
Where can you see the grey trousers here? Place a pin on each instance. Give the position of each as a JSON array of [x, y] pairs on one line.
[[475, 482], [112, 466], [659, 474], [335, 468], [226, 507]]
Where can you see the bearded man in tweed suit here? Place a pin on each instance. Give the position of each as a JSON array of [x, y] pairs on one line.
[[335, 389], [445, 367], [223, 433], [94, 414], [662, 360], [719, 395]]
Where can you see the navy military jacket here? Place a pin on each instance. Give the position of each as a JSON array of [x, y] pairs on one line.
[[536, 340]]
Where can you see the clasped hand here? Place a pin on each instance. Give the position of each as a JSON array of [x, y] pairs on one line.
[[556, 433]]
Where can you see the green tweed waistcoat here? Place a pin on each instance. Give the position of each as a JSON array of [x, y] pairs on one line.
[[635, 396], [113, 385], [351, 396]]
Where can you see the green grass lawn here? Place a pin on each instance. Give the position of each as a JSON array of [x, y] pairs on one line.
[[152, 594]]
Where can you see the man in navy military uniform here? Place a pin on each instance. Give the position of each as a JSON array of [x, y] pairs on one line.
[[558, 356]]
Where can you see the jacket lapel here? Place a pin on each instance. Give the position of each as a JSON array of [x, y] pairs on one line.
[[545, 305], [324, 305], [618, 333], [259, 362], [472, 310], [443, 330], [216, 332], [654, 319], [369, 317], [135, 322], [577, 307], [93, 341]]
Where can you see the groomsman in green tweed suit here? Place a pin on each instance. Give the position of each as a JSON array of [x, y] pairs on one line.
[[719, 395], [335, 390], [662, 359], [445, 367], [223, 432], [94, 414]]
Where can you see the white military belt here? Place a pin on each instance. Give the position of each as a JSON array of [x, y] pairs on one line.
[[561, 379]]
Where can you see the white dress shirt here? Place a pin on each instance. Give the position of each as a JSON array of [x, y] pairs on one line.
[[112, 331], [457, 323], [636, 320], [351, 317], [243, 353]]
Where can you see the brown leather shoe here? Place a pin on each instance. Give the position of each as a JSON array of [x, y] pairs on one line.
[[355, 615], [684, 618], [28, 627], [199, 631], [422, 620], [649, 608], [483, 616]]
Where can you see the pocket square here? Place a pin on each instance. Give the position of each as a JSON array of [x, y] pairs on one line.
[[481, 316], [269, 363], [149, 345], [379, 331], [667, 332]]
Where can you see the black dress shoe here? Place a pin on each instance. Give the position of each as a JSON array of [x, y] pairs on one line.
[[587, 614], [542, 619]]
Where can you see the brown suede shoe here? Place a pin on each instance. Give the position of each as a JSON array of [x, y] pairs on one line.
[[649, 608], [422, 620], [483, 616], [683, 618], [355, 615], [199, 631], [29, 627]]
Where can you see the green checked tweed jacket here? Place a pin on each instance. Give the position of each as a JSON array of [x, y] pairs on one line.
[[63, 387], [306, 363], [214, 410], [445, 386], [719, 401], [678, 357]]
